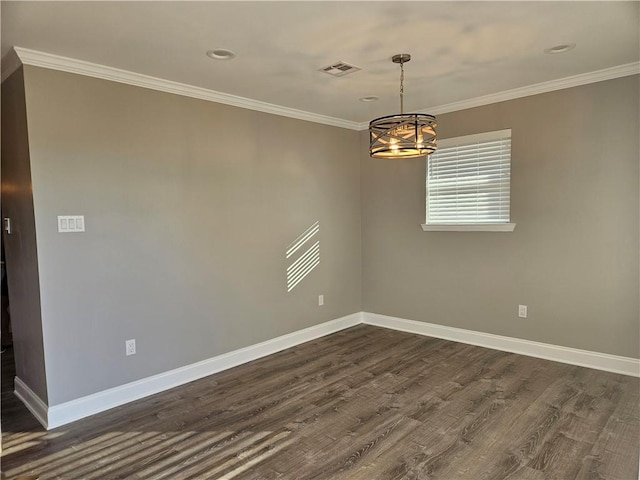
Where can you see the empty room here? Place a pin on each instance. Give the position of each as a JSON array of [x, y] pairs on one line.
[[296, 240]]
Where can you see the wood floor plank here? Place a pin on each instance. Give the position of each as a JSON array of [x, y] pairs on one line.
[[365, 403], [606, 460]]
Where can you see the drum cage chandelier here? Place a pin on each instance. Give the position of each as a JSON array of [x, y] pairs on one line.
[[404, 135]]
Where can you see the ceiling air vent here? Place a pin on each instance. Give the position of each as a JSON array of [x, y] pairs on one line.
[[339, 69]]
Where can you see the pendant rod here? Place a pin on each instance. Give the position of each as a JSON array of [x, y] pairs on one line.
[[401, 58], [401, 88]]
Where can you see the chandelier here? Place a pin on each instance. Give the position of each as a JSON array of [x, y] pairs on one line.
[[404, 135]]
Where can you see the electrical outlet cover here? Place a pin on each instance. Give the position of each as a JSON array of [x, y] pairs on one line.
[[130, 347], [522, 311]]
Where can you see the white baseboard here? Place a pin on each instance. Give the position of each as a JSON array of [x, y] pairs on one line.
[[32, 401], [58, 415], [73, 410], [572, 356]]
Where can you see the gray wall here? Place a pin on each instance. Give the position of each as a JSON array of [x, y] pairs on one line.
[[573, 257], [20, 246], [189, 207]]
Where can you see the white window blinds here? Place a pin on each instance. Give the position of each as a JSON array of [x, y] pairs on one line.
[[468, 180]]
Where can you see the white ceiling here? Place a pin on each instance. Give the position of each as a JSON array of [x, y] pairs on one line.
[[460, 50]]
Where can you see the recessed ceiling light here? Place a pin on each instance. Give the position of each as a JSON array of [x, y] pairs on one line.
[[565, 47], [371, 98], [221, 54]]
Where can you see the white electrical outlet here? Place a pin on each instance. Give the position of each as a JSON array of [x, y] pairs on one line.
[[522, 311], [130, 347], [320, 300]]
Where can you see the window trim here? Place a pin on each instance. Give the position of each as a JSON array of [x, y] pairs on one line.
[[466, 227]]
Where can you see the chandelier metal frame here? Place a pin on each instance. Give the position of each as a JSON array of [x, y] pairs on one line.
[[403, 135]]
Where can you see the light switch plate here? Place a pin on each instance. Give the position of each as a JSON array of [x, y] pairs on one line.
[[70, 223]]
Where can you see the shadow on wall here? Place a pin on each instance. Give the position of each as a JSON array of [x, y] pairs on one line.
[[307, 261]]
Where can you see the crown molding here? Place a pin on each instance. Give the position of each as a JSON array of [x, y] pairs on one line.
[[544, 87], [26, 56], [80, 67], [538, 88], [10, 63]]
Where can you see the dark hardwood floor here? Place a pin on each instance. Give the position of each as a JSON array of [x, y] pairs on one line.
[[364, 403]]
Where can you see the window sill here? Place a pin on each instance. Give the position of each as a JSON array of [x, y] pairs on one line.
[[475, 227]]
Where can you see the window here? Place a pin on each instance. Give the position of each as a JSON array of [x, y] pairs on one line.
[[469, 183]]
